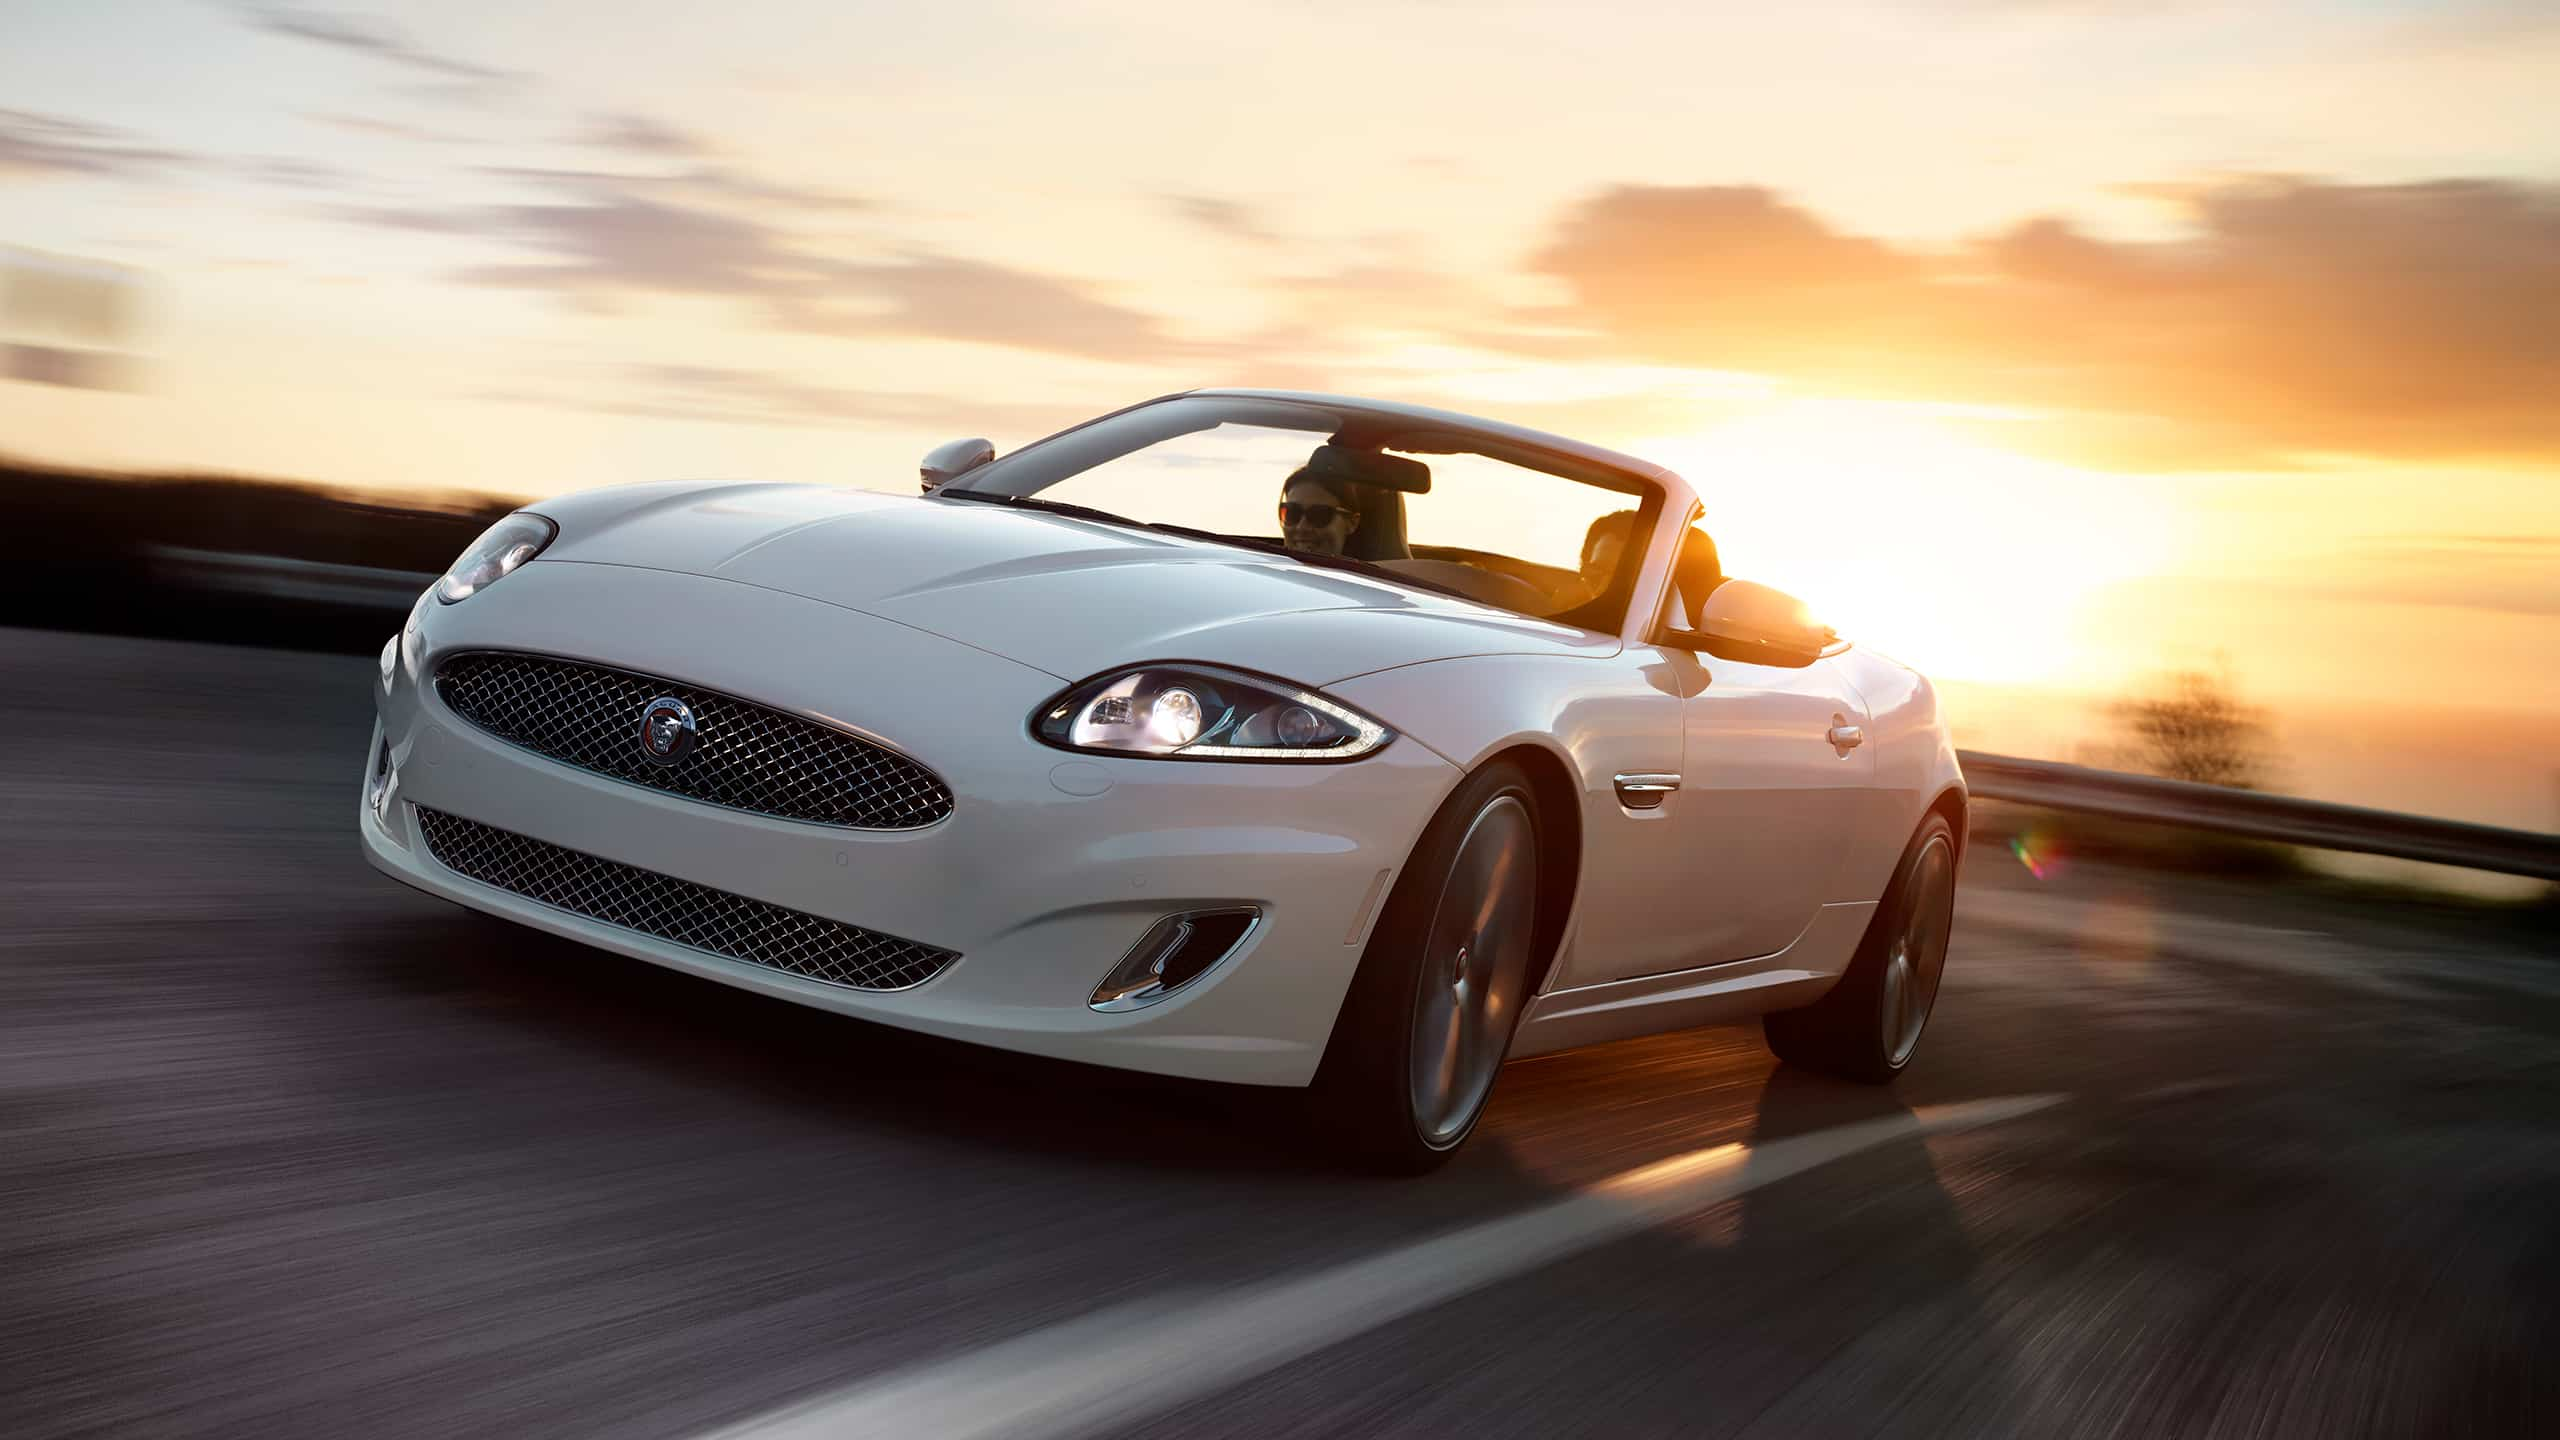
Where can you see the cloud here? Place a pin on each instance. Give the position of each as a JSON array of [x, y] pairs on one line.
[[2294, 317], [1232, 219], [47, 145], [720, 392], [638, 135], [2482, 27], [715, 233], [762, 395], [706, 231], [388, 129], [421, 222], [621, 240], [730, 395], [2495, 575], [380, 41], [2517, 574], [709, 183], [287, 172], [728, 184], [943, 297]]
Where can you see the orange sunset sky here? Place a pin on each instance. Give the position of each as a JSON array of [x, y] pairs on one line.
[[2044, 345]]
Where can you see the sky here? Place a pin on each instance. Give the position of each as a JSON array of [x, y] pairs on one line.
[[2046, 344]]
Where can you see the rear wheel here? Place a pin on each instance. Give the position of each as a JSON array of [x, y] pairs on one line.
[[1869, 1026], [1428, 1021]]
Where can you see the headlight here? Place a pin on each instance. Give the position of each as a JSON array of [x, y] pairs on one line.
[[1205, 712], [495, 555]]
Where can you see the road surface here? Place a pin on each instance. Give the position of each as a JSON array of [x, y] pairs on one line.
[[289, 1150]]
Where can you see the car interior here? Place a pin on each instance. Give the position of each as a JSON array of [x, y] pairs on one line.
[[1376, 483]]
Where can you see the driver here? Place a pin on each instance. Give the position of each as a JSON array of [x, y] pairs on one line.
[[1317, 514]]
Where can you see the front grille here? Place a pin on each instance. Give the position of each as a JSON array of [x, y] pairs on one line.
[[744, 756], [791, 941]]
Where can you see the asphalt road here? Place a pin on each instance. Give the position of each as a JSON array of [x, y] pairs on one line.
[[289, 1150]]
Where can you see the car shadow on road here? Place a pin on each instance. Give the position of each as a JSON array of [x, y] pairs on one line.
[[741, 1054], [852, 1071], [1886, 1300]]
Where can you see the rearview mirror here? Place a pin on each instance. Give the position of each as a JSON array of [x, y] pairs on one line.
[[944, 463], [1369, 467], [1758, 625]]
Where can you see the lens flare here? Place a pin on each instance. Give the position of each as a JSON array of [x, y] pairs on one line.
[[2039, 852]]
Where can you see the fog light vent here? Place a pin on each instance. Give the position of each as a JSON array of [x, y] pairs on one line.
[[377, 786], [1175, 951]]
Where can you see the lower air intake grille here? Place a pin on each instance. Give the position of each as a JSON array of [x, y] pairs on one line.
[[680, 911]]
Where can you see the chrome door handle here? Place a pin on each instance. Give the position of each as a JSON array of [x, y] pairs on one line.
[[1644, 791], [1845, 738]]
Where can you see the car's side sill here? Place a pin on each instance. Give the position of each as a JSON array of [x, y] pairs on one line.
[[1710, 995]]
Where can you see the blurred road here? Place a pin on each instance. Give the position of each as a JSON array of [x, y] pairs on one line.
[[289, 1150]]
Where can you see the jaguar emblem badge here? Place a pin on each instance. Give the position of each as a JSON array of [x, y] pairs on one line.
[[666, 730]]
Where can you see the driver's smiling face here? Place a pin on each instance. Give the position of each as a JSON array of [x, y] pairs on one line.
[[1316, 519]]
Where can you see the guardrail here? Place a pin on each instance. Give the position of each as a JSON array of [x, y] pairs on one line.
[[2314, 824]]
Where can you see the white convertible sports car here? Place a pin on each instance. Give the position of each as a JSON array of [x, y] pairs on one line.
[[1476, 753]]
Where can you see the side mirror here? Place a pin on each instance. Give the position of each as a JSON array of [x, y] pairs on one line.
[[945, 463], [1758, 625]]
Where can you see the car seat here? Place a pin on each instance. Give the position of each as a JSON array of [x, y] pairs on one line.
[[1381, 532]]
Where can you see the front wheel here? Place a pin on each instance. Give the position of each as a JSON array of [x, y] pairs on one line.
[[1868, 1027], [1428, 1021]]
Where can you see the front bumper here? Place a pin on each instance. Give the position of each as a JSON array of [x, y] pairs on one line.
[[1048, 869]]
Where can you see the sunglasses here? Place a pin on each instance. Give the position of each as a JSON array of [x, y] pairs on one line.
[[1320, 516]]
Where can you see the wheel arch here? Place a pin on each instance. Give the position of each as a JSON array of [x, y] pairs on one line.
[[1559, 849], [1957, 806]]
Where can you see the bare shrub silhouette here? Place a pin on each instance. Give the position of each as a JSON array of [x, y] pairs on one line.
[[2184, 725], [2193, 726]]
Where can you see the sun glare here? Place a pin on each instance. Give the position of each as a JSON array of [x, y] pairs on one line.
[[1965, 561]]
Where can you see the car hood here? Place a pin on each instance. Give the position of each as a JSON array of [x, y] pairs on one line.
[[1068, 596]]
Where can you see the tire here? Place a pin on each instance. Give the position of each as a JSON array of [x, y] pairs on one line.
[[1429, 1017], [1869, 1026]]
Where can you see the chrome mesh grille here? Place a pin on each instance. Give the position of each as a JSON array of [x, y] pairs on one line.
[[745, 756], [792, 941]]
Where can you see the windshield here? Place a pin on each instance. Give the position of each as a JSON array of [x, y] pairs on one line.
[[1446, 509]]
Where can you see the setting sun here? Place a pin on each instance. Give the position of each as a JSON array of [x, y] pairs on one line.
[[1956, 558]]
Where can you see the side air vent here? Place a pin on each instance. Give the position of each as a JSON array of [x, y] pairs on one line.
[[1175, 951]]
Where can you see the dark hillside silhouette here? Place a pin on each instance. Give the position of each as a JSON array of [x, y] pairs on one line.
[[90, 550]]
